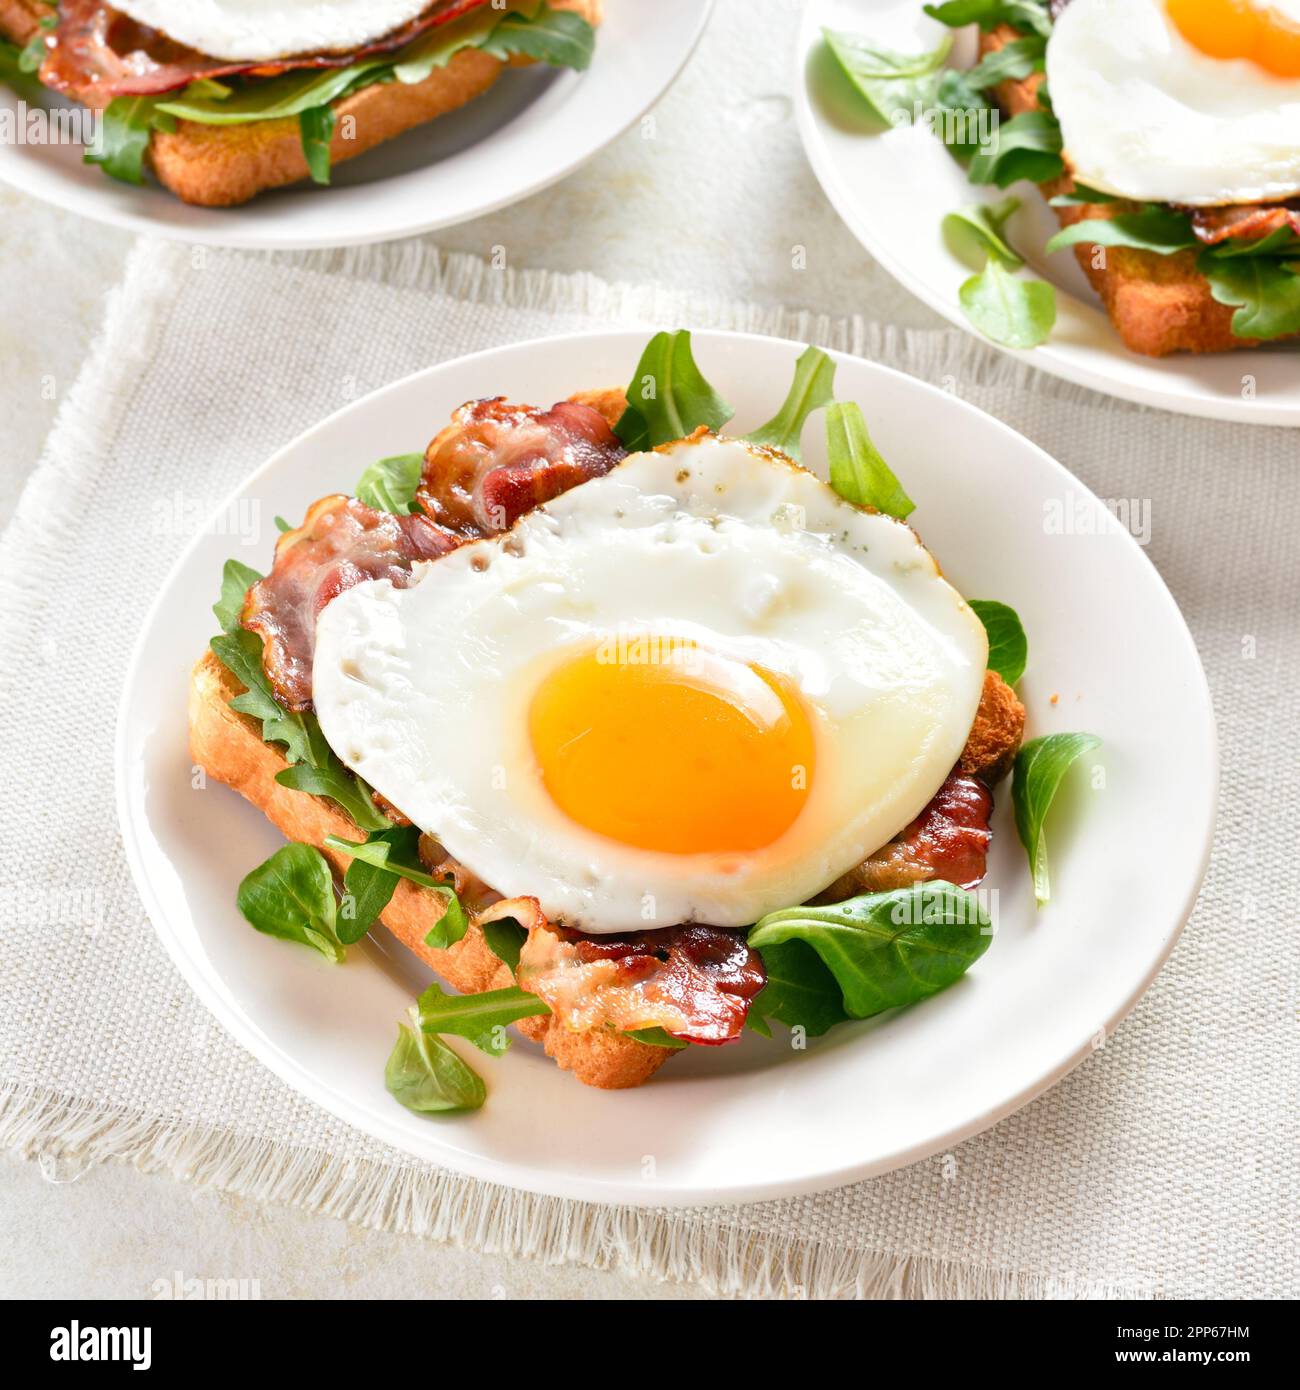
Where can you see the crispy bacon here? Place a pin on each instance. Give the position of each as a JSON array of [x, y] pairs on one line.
[[948, 840], [1247, 221], [694, 982], [496, 461], [340, 543], [97, 53]]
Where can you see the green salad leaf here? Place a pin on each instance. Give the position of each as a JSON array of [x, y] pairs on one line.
[[291, 896], [1008, 645], [813, 387], [962, 107], [316, 129], [390, 484], [1153, 227], [236, 580], [657, 1037], [504, 938], [1006, 308], [887, 950], [800, 991], [272, 98], [368, 888], [127, 126], [975, 232], [988, 14], [1041, 766], [329, 778], [1013, 62], [558, 37], [480, 1018], [857, 471], [1265, 291], [13, 74], [1027, 146], [426, 1076], [668, 397], [396, 855], [1080, 196], [890, 83], [240, 652]]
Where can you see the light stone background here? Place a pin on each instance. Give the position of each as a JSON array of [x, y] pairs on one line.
[[718, 200]]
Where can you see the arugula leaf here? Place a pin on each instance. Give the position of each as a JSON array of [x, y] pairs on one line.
[[1265, 290], [988, 14], [889, 82], [390, 484], [1152, 227], [1008, 645], [480, 1018], [126, 128], [240, 652], [886, 950], [426, 1076], [858, 472], [236, 581], [331, 779], [33, 55], [656, 1037], [12, 73], [1014, 312], [504, 937], [978, 228], [1027, 146], [668, 397], [316, 130], [273, 98], [813, 387], [558, 37], [1282, 242], [800, 991], [1013, 62], [1040, 767], [369, 889], [291, 896], [378, 851]]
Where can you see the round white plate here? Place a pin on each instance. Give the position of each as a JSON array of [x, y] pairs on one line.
[[756, 1119], [534, 126], [893, 189]]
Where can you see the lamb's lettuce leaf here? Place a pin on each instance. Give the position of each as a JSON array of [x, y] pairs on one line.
[[668, 397], [1008, 645], [1008, 309], [291, 896], [390, 484], [891, 84], [858, 472], [813, 387], [397, 855], [1265, 290], [426, 1076], [1041, 766], [316, 130]]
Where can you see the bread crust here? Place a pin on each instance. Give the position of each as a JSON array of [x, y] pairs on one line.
[[224, 166], [1158, 304], [228, 746]]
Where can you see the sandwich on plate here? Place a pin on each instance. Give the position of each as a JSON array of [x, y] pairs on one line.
[[1166, 135], [223, 99], [637, 734]]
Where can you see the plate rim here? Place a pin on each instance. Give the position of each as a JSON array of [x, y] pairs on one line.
[[1046, 357], [86, 202], [540, 1180]]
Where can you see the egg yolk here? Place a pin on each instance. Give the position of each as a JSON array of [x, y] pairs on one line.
[[663, 746], [1240, 29]]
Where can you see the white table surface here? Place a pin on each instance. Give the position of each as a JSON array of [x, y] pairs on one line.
[[719, 199]]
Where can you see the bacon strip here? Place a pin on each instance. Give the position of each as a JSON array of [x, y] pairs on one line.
[[694, 982], [949, 840], [98, 53], [1251, 221], [495, 461], [340, 543]]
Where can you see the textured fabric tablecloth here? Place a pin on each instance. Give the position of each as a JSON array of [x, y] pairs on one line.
[[1165, 1165]]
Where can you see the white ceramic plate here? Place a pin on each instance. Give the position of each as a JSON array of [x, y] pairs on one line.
[[755, 1119], [530, 129], [893, 189]]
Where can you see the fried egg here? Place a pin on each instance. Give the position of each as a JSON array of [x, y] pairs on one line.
[[1180, 101], [257, 31], [698, 688]]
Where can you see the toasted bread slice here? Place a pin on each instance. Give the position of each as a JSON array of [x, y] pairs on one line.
[[1158, 304], [222, 166], [228, 746]]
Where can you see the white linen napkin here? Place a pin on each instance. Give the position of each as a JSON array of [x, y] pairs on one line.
[[1165, 1165]]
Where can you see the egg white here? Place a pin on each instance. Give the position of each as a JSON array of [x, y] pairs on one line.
[[1145, 115], [425, 691], [261, 30]]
